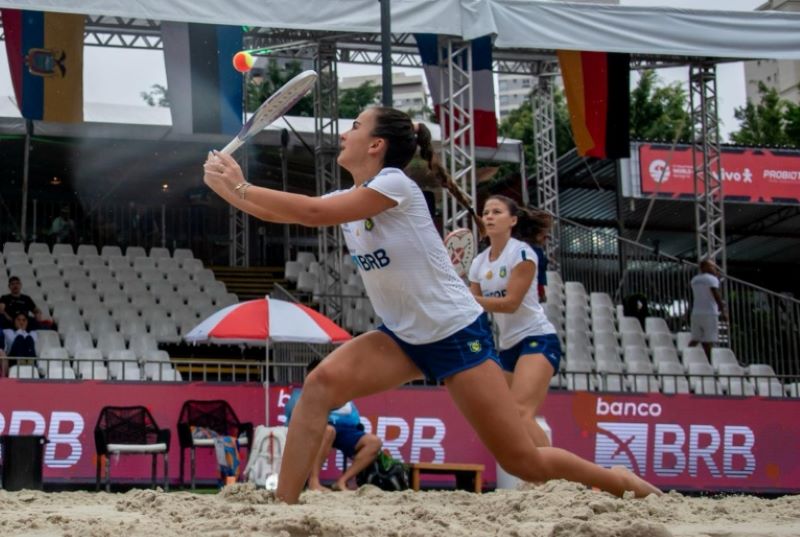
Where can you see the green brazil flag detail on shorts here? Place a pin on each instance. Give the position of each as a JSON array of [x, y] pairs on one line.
[[474, 346]]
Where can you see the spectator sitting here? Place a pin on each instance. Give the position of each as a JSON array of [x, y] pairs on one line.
[[62, 230], [345, 433], [15, 303], [3, 359], [19, 343]]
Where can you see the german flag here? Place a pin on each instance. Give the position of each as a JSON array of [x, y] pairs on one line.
[[45, 57], [597, 85]]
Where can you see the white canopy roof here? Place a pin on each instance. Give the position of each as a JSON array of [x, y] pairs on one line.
[[525, 24]]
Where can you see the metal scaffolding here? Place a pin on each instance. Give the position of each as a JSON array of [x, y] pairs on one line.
[[458, 134], [709, 211], [326, 149], [544, 145]]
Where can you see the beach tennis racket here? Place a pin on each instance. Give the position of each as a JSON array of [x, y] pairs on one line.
[[274, 107], [460, 244]]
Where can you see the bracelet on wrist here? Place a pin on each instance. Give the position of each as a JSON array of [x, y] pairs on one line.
[[241, 188]]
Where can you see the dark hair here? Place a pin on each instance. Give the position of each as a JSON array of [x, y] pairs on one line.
[[402, 140], [530, 222], [13, 279]]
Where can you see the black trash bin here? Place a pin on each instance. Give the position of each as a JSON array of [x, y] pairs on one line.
[[22, 461]]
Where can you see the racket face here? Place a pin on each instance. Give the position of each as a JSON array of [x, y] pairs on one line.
[[460, 244], [278, 104]]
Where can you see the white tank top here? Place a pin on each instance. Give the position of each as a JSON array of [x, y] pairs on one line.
[[406, 271], [492, 276]]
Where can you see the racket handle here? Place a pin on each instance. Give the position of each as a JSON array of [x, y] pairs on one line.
[[234, 144]]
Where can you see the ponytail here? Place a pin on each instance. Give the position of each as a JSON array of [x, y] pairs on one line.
[[530, 221], [424, 140]]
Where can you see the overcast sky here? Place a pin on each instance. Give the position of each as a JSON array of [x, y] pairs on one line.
[[119, 75]]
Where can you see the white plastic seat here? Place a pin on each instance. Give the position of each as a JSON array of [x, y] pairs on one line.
[[609, 375], [63, 249], [682, 340], [86, 249], [694, 355], [66, 260], [665, 354], [305, 259], [143, 302], [91, 261], [577, 300], [641, 378], [134, 287], [118, 262], [721, 355], [203, 276], [579, 337], [733, 380], [177, 276], [182, 254], [48, 273], [161, 290], [165, 332], [227, 299], [88, 302], [186, 323], [70, 324], [215, 288], [151, 276], [141, 344], [702, 379], [607, 353], [155, 315], [110, 251], [600, 299], [161, 372], [633, 339], [661, 340], [579, 375], [656, 325], [12, 248], [122, 365], [71, 274], [306, 282], [157, 252], [77, 341], [554, 277], [672, 377], [42, 260], [630, 324], [109, 342], [191, 265], [168, 264], [554, 313], [125, 275], [576, 288], [635, 354], [106, 288], [765, 380], [64, 310], [46, 340], [131, 328], [135, 251], [59, 371], [49, 357], [142, 263], [102, 325], [199, 303], [23, 371], [608, 339], [577, 352]]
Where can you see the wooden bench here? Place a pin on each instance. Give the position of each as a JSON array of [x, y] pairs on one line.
[[468, 476]]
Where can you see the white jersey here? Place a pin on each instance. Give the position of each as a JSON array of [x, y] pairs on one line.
[[492, 276], [405, 267], [703, 299]]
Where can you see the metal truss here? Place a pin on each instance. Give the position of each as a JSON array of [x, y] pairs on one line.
[[458, 134], [326, 149], [239, 231], [544, 145], [709, 207]]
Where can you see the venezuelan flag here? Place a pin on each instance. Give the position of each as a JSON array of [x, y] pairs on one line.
[[598, 97], [45, 57]]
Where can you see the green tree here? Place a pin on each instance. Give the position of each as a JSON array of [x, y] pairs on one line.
[[353, 100], [275, 76], [771, 121], [658, 112], [157, 96]]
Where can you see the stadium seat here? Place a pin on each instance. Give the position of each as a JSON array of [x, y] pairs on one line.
[[608, 339], [141, 344], [702, 380], [133, 252], [122, 365], [203, 276], [106, 288], [118, 262], [13, 247], [102, 324], [125, 275], [579, 375], [661, 340], [292, 270], [23, 371], [151, 275], [671, 375], [86, 249], [134, 287], [77, 341], [143, 302], [721, 356], [767, 383], [694, 355], [41, 260], [60, 250], [635, 354], [554, 313], [305, 258], [306, 282], [165, 332], [215, 288], [73, 273], [160, 372], [35, 248], [90, 365], [93, 260], [600, 300], [142, 263], [181, 254], [228, 299], [45, 340], [607, 353], [168, 264], [665, 354], [48, 273], [640, 377], [110, 251], [633, 339], [578, 337], [554, 277], [191, 265], [50, 359], [132, 327], [630, 324], [157, 252], [109, 342], [603, 324], [609, 375], [576, 322], [70, 324], [59, 371], [682, 340], [733, 380], [115, 299]]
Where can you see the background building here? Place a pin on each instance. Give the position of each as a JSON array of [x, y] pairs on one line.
[[783, 75], [408, 91]]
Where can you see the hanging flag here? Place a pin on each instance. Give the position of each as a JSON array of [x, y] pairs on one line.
[[597, 85], [205, 91], [484, 118], [45, 58]]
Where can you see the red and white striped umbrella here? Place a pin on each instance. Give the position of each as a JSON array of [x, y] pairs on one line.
[[264, 320]]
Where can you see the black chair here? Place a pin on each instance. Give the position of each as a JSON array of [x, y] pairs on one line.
[[217, 416], [129, 429]]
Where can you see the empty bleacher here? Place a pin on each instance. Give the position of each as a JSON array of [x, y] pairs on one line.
[[113, 311]]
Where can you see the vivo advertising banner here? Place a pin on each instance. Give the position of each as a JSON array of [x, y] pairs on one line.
[[684, 442], [748, 175]]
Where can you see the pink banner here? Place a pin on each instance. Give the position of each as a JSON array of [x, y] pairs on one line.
[[754, 175], [682, 441]]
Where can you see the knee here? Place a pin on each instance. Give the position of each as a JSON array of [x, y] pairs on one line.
[[525, 467], [321, 387], [373, 443]]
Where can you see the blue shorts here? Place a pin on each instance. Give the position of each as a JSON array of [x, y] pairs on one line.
[[346, 440], [548, 345], [463, 350]]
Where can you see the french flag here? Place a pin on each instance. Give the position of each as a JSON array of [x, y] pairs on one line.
[[485, 120]]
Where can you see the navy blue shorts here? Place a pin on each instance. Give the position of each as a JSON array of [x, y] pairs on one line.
[[463, 350], [547, 345], [346, 440]]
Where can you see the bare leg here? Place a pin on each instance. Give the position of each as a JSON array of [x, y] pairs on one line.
[[483, 398], [529, 388], [370, 363], [367, 449], [324, 449], [707, 347]]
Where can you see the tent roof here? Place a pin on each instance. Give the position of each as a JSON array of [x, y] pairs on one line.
[[521, 24]]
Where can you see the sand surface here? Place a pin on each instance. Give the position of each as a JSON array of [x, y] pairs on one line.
[[558, 509]]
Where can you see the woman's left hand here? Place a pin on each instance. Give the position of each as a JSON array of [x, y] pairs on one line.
[[222, 172]]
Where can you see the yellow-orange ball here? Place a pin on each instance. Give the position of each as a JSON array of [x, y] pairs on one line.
[[243, 61]]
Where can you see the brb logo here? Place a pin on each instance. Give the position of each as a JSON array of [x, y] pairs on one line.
[[670, 449], [63, 432]]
